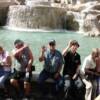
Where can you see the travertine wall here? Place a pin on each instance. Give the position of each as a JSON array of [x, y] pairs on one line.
[[3, 15], [4, 5]]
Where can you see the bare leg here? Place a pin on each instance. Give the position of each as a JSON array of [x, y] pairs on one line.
[[27, 88]]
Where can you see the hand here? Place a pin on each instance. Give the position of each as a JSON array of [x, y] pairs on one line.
[[28, 69], [43, 49], [56, 75], [70, 43], [25, 46], [74, 77], [1, 63]]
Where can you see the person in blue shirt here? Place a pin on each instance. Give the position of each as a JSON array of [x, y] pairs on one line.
[[53, 62]]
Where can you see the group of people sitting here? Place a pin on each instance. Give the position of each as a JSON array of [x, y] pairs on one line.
[[79, 83]]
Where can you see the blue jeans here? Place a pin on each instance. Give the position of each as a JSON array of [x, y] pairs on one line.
[[44, 75], [74, 89], [3, 78], [1, 71], [98, 85]]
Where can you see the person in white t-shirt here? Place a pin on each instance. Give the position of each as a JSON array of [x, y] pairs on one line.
[[88, 69]]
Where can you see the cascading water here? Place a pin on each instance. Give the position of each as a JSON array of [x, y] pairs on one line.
[[47, 15], [36, 17], [79, 17]]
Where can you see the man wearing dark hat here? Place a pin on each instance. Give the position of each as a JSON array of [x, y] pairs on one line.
[[53, 61], [71, 71], [22, 69]]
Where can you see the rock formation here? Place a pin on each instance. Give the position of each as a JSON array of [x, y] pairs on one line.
[[77, 15], [88, 16]]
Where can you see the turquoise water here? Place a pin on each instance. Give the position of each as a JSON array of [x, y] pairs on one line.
[[36, 39]]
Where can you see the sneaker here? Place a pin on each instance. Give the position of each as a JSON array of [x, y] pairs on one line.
[[9, 99], [25, 99], [28, 99]]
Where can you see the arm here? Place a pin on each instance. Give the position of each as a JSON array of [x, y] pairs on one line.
[[97, 74], [92, 72], [67, 48], [17, 51], [89, 71], [59, 67], [78, 68], [87, 67], [58, 71], [97, 69], [77, 72], [30, 61], [13, 60], [8, 62]]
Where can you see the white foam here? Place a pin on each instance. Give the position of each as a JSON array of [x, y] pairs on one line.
[[34, 30]]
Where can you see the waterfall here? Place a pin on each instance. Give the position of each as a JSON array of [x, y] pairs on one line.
[[35, 17], [47, 15], [80, 16], [80, 19]]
